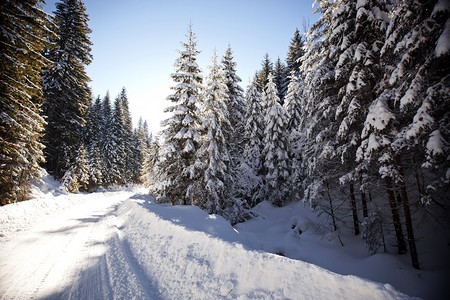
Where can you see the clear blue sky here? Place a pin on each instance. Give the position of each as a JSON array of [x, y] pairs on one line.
[[136, 42]]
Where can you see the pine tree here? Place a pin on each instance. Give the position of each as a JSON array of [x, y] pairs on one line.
[[107, 145], [357, 75], [295, 53], [236, 111], [293, 104], [127, 139], [66, 93], [177, 163], [408, 123], [235, 104], [276, 151], [143, 151], [25, 32], [281, 79], [293, 107], [316, 142], [251, 169], [77, 176], [216, 156], [263, 74], [118, 171], [93, 142]]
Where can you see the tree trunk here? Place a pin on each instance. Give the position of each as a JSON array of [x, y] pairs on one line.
[[408, 220], [401, 244], [331, 207], [364, 201], [354, 211]]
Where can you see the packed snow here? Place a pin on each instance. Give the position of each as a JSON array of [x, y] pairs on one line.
[[120, 244]]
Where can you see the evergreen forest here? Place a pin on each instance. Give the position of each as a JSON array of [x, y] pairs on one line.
[[354, 122]]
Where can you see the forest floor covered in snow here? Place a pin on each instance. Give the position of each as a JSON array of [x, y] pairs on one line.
[[121, 245]]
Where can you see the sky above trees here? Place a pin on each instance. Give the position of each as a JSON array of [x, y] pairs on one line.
[[136, 42]]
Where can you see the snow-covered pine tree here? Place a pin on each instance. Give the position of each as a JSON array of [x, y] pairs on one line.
[[107, 146], [93, 141], [293, 108], [236, 111], [149, 168], [276, 148], [263, 74], [142, 150], [218, 179], [281, 79], [316, 145], [76, 178], [417, 49], [67, 96], [25, 32], [177, 155], [118, 138], [251, 167], [235, 104], [416, 96], [127, 139], [292, 103], [295, 53], [359, 31]]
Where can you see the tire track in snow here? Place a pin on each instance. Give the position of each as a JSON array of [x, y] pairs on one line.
[[66, 256], [127, 276]]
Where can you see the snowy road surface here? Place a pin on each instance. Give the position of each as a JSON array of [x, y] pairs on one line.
[[120, 245]]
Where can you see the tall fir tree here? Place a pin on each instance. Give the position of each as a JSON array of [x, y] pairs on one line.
[[93, 142], [263, 74], [215, 154], [129, 146], [25, 32], [118, 138], [253, 132], [276, 148], [236, 111], [281, 79], [407, 124], [235, 104], [107, 145], [67, 96], [295, 54], [178, 160]]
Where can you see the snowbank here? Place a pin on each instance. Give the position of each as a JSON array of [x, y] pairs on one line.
[[191, 255]]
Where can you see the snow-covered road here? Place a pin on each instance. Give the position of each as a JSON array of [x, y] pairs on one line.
[[120, 245], [72, 254]]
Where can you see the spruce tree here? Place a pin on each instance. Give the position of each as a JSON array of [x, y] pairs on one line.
[[107, 144], [117, 140], [178, 160], [253, 132], [127, 138], [295, 53], [93, 142], [276, 148], [142, 151], [263, 74], [66, 93], [316, 142], [293, 107], [215, 154], [235, 104], [407, 125], [234, 133], [76, 178], [25, 32], [281, 79]]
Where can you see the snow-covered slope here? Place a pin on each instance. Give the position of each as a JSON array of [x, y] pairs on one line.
[[121, 245], [191, 255]]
